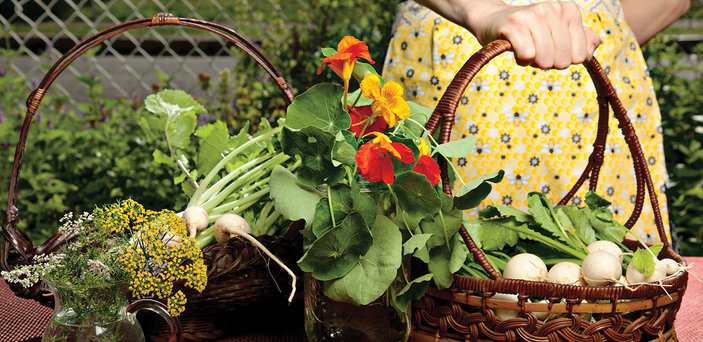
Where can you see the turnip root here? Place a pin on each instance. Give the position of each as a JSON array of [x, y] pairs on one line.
[[599, 268], [525, 266], [170, 240], [567, 273], [502, 313], [671, 265], [229, 226], [196, 219], [605, 245], [635, 277]]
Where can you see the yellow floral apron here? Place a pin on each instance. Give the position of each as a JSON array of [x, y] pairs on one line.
[[537, 125]]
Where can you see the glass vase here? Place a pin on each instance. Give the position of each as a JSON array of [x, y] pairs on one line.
[[100, 313], [329, 320]]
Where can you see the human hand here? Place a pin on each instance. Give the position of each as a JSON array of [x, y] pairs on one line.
[[545, 35]]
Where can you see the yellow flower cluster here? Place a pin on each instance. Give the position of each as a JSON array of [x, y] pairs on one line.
[[162, 252]]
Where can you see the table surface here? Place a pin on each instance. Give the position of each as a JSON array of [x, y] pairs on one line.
[[23, 320]]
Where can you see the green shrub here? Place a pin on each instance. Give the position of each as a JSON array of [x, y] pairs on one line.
[[678, 86]]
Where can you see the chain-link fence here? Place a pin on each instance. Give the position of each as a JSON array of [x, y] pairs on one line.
[[131, 63]]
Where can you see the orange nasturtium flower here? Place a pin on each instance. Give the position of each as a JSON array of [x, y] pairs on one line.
[[363, 117], [388, 101], [342, 62], [426, 165], [375, 158]]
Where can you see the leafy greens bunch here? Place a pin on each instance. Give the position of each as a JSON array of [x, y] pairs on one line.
[[369, 185]]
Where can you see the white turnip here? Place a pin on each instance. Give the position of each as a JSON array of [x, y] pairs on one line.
[[228, 226], [504, 314], [671, 265], [525, 266], [599, 268], [196, 219], [565, 272], [636, 277], [605, 245]]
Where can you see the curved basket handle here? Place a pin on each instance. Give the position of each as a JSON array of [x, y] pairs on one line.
[[17, 246], [607, 97]]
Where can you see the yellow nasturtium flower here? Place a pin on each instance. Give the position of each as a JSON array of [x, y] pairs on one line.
[[388, 101]]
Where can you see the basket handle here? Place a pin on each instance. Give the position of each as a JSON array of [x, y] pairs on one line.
[[15, 239], [445, 112]]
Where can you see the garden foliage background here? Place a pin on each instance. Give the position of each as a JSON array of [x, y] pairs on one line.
[[87, 148]]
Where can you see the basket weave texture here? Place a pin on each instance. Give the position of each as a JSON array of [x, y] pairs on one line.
[[466, 311], [238, 276]]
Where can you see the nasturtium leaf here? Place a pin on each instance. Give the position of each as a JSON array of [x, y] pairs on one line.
[[314, 147], [645, 261], [413, 291], [170, 102], [344, 203], [439, 267], [334, 254], [459, 253], [406, 222], [343, 153], [414, 243], [319, 107], [416, 195], [442, 225], [423, 254], [457, 148], [541, 210], [361, 69], [373, 272], [472, 193], [357, 99], [580, 222], [593, 201], [212, 145], [328, 51], [292, 200]]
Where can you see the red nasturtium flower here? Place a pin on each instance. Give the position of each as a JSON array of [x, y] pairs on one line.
[[375, 158], [426, 165], [388, 101], [342, 62], [359, 118]]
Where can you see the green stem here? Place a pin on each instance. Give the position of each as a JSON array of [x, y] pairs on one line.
[[238, 205], [215, 188], [221, 164], [398, 209], [329, 203]]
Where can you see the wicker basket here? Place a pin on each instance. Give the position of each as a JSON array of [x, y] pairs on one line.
[[465, 311], [238, 276]]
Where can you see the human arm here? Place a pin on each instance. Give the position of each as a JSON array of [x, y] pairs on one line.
[[545, 35], [647, 18]]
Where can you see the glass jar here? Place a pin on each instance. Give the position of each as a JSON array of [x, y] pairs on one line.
[[329, 320], [100, 313]]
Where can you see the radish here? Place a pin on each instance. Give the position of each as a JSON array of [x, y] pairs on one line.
[[230, 226], [196, 219], [525, 266], [504, 314], [605, 245], [567, 273], [599, 268]]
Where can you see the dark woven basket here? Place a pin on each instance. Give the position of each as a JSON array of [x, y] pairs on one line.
[[238, 276], [466, 311]]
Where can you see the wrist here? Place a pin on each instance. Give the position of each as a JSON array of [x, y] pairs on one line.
[[479, 16]]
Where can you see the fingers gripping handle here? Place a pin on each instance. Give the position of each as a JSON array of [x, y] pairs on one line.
[[444, 115]]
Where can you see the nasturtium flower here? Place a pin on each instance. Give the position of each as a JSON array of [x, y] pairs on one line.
[[388, 101], [363, 117], [426, 165], [342, 62], [375, 158]]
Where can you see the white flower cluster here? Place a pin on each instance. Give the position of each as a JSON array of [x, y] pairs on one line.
[[71, 226], [28, 275], [99, 268]]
